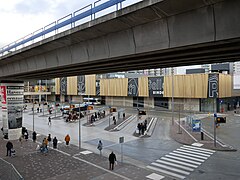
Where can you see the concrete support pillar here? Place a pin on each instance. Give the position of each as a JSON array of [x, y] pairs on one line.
[[12, 108]]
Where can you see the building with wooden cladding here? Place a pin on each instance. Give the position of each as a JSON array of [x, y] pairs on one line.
[[196, 92]]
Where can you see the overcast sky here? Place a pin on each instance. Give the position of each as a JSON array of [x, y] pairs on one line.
[[19, 18]]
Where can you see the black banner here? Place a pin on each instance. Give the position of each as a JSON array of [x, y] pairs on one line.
[[98, 87], [132, 86], [155, 86], [63, 86], [213, 85], [81, 85]]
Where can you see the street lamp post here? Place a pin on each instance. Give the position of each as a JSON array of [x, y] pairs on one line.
[[109, 115], [79, 130], [55, 109], [179, 127], [172, 97], [214, 121], [33, 114]]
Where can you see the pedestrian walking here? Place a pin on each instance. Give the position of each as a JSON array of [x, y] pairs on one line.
[[112, 159], [142, 128], [26, 135], [21, 139], [139, 128], [114, 120], [67, 139], [49, 120], [9, 147], [55, 141], [100, 146], [49, 139], [145, 125], [34, 136]]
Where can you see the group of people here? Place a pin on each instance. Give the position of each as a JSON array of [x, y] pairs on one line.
[[97, 116], [142, 127], [46, 141]]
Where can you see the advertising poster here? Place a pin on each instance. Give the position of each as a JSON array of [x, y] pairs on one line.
[[81, 85], [14, 106], [213, 85], [98, 87], [155, 86], [132, 86], [63, 86]]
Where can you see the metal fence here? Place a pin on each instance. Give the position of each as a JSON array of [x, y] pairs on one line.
[[8, 171]]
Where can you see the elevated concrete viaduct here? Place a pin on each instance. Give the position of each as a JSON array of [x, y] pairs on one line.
[[149, 34]]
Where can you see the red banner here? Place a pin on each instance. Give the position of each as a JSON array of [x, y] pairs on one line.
[[3, 94]]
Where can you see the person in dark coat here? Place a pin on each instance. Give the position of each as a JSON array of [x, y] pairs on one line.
[[49, 120], [9, 147], [112, 159], [114, 120], [139, 128], [55, 141], [145, 125], [26, 135], [49, 139], [142, 128], [34, 136]]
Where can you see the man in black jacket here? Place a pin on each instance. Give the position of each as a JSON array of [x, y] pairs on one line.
[[9, 146], [112, 159]]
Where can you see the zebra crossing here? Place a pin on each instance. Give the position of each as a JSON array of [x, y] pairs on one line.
[[181, 162]]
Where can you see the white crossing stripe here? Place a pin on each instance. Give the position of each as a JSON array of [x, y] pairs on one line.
[[197, 144], [179, 155], [155, 176], [199, 148], [182, 159], [197, 153], [170, 168], [179, 162], [86, 152], [195, 150], [166, 172], [175, 165], [188, 154]]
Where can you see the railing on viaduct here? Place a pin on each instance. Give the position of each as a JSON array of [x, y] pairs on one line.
[[67, 22]]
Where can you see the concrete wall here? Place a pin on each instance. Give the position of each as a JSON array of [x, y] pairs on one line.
[[119, 101], [125, 38], [77, 98], [185, 104]]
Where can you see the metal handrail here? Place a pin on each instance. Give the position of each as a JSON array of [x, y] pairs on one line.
[[6, 49]]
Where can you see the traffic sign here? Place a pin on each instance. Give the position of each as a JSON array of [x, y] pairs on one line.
[[121, 139], [221, 119], [196, 125]]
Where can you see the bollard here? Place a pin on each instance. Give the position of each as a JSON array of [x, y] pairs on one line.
[[202, 136]]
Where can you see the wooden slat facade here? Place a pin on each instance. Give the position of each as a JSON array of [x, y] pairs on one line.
[[185, 86]]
